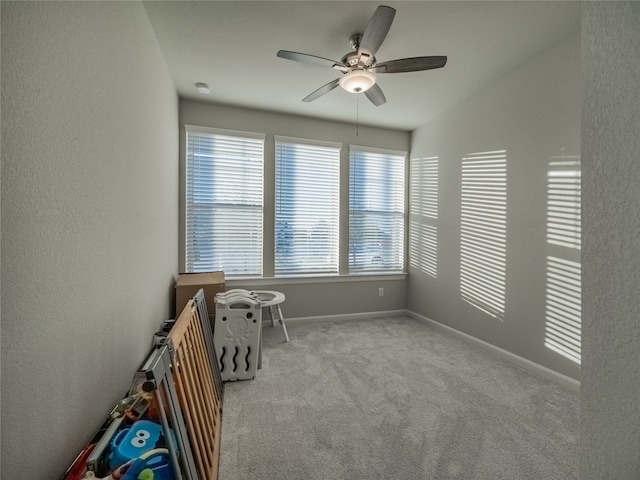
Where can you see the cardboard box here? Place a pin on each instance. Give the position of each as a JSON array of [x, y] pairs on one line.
[[188, 285]]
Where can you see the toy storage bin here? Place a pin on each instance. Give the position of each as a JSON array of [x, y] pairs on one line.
[[236, 335]]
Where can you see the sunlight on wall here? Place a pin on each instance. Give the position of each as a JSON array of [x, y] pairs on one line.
[[424, 241], [423, 215], [563, 203], [483, 231], [563, 299], [563, 308]]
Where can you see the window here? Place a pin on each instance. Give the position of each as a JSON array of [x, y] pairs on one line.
[[307, 212], [483, 231], [376, 210], [224, 202]]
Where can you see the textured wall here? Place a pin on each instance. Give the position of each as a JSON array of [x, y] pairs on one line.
[[533, 113], [610, 393], [89, 219]]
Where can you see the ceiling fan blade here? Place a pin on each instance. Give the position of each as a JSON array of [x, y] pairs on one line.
[[306, 58], [376, 96], [321, 91], [376, 30], [414, 64]]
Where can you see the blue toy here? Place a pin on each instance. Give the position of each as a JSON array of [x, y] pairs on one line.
[[152, 465], [134, 441]]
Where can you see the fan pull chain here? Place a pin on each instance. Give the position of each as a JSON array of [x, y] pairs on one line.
[[357, 114]]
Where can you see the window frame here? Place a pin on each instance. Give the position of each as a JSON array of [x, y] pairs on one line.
[[267, 277], [332, 267], [259, 207], [399, 247]]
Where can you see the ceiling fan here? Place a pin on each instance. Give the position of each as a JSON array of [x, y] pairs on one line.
[[360, 67]]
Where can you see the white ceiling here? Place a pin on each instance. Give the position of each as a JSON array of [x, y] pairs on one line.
[[232, 45]]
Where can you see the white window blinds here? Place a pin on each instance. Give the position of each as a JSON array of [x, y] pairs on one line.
[[307, 212], [224, 202], [376, 210]]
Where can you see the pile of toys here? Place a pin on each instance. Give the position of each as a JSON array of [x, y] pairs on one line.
[[168, 427], [130, 445]]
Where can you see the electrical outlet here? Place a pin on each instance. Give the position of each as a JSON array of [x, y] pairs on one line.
[[381, 292]]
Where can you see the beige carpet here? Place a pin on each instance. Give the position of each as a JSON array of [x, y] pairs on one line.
[[393, 398]]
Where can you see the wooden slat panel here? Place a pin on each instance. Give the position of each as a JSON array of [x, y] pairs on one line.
[[193, 426], [200, 397], [197, 391]]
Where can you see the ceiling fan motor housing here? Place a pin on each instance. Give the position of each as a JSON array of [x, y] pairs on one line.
[[355, 58]]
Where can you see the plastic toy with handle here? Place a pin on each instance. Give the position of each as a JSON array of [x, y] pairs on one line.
[[151, 465]]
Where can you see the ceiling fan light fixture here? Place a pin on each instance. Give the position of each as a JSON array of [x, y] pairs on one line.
[[357, 81]]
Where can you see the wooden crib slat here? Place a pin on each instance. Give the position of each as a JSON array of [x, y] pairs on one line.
[[197, 392], [195, 435], [198, 404]]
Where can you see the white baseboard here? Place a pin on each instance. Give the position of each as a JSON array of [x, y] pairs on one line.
[[508, 356], [347, 317]]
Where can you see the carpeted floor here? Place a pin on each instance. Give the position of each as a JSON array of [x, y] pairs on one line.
[[393, 398]]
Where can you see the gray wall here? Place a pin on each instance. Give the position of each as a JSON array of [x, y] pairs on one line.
[[532, 112], [610, 391], [89, 220], [303, 299]]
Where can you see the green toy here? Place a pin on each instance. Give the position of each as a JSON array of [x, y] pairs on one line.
[[146, 474]]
